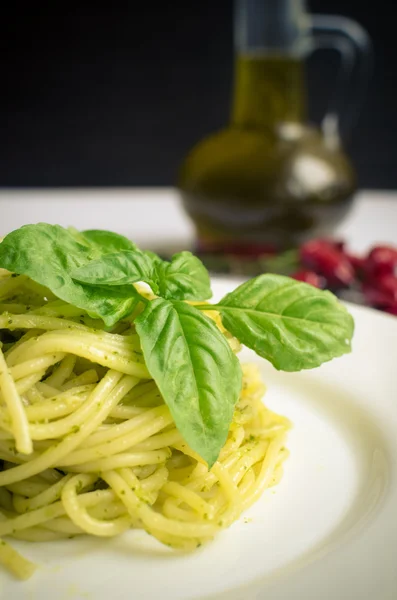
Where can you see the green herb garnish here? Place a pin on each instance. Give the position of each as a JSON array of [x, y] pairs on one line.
[[184, 278], [292, 324], [195, 369]]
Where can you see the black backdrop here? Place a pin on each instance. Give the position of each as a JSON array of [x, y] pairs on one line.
[[116, 96]]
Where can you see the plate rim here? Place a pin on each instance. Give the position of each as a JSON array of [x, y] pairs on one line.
[[298, 581]]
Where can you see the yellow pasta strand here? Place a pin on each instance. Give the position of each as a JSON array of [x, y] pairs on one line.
[[11, 559], [11, 397]]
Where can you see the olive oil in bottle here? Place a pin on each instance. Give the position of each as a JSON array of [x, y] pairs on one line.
[[268, 178]]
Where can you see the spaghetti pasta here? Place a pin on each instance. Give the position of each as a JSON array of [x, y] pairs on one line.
[[89, 447]]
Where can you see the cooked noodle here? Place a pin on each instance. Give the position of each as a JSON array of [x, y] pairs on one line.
[[89, 447]]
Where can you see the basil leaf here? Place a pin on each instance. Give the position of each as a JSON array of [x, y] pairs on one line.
[[184, 278], [195, 370], [292, 324], [48, 254], [119, 268], [153, 256], [107, 242]]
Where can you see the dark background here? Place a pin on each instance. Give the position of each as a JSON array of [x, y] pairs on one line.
[[116, 96]]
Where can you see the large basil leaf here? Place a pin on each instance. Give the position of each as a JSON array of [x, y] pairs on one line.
[[292, 324], [48, 254], [119, 268], [195, 370], [184, 278]]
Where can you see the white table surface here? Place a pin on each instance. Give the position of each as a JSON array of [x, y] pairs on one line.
[[153, 217]]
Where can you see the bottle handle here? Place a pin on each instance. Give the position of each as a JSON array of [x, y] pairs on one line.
[[354, 45]]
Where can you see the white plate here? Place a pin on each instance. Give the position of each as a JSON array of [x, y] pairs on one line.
[[329, 530]]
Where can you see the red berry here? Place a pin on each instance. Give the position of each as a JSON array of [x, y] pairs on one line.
[[388, 285], [326, 259], [338, 244], [381, 260], [309, 277], [357, 262], [381, 291]]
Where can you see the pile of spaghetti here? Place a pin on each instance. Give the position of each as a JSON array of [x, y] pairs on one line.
[[88, 445]]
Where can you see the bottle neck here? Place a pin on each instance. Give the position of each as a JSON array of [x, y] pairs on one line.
[[271, 38], [269, 90], [278, 26]]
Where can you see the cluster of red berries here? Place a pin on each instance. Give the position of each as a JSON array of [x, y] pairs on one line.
[[328, 264]]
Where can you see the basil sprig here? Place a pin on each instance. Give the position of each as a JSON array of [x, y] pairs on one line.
[[291, 324], [184, 278]]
